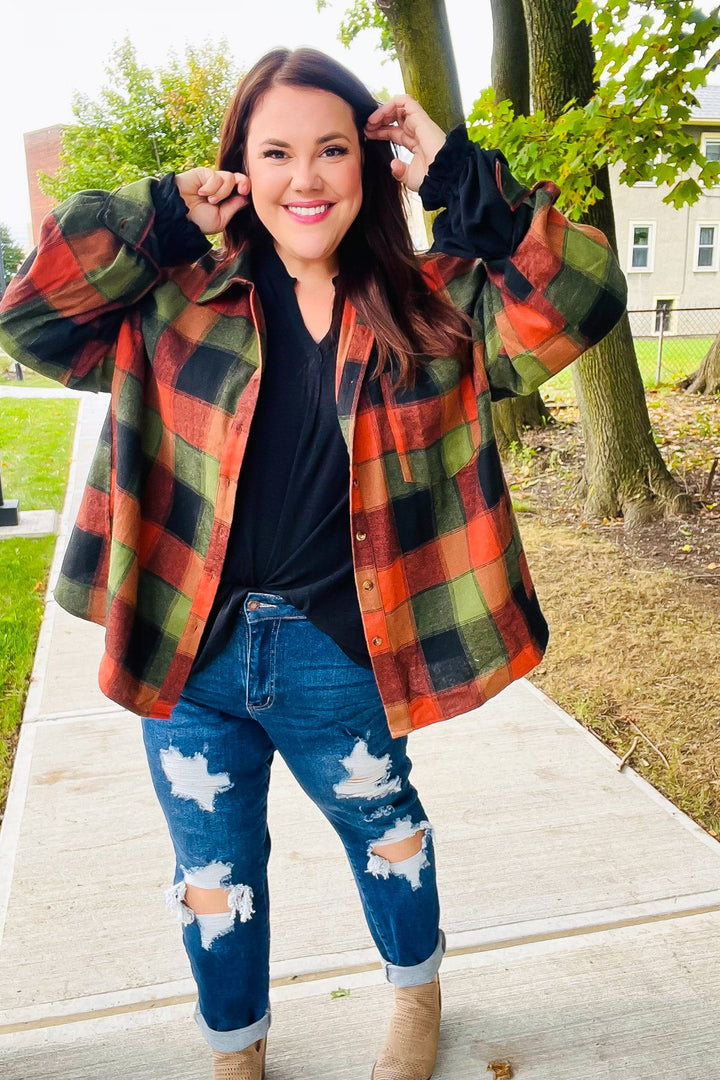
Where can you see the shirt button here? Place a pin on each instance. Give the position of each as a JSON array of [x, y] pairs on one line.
[[368, 585], [377, 641], [355, 482], [360, 536], [253, 605]]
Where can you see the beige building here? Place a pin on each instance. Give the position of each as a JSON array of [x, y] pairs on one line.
[[672, 257]]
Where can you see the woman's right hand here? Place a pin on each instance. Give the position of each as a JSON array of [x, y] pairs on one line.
[[213, 196]]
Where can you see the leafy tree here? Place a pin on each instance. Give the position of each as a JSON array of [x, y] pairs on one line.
[[12, 255], [622, 96], [630, 108], [624, 472], [144, 121]]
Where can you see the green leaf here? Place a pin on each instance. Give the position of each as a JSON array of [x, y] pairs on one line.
[[144, 121]]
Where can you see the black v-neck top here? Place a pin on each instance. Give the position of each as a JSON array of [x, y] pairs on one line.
[[290, 533]]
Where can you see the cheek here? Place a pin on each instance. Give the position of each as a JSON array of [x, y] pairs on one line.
[[353, 185], [265, 188]]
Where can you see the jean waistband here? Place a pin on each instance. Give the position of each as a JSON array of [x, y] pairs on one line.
[[259, 605]]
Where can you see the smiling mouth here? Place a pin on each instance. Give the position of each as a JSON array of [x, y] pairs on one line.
[[308, 214]]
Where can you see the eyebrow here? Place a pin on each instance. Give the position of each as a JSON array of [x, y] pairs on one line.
[[331, 137]]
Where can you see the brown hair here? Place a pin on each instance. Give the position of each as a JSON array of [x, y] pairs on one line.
[[379, 272]]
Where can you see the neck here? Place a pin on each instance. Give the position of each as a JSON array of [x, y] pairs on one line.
[[315, 273]]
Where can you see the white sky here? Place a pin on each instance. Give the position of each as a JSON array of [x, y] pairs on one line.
[[51, 49]]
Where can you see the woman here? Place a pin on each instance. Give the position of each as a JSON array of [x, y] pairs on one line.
[[362, 575]]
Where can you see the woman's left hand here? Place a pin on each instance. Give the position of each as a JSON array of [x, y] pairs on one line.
[[405, 123]]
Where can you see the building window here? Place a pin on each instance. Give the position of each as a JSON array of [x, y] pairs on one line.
[[665, 315], [706, 248], [641, 242], [711, 149]]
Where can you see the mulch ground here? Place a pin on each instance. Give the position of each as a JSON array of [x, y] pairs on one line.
[[634, 615], [687, 430]]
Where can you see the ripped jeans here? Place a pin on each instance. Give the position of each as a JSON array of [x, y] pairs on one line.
[[282, 684]]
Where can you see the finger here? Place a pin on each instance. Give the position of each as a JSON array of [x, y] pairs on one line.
[[230, 207], [218, 186], [400, 105], [399, 169], [242, 183], [393, 134]]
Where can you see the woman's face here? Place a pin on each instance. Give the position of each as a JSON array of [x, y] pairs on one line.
[[305, 166]]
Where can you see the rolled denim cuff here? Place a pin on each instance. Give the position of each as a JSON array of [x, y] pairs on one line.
[[419, 973], [228, 1042]]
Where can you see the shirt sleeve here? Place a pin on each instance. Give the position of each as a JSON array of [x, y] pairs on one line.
[[99, 254], [539, 289], [178, 239], [477, 222]]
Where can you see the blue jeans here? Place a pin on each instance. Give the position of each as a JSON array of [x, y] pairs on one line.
[[283, 684]]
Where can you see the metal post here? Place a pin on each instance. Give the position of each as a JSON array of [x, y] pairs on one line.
[[661, 336], [9, 509]]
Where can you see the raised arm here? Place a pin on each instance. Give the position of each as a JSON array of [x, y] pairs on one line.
[[98, 255], [544, 290]]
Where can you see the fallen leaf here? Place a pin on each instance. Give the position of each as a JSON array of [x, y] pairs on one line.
[[340, 992], [713, 566], [501, 1070]]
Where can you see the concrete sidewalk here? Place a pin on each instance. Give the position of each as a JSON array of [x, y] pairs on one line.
[[582, 910]]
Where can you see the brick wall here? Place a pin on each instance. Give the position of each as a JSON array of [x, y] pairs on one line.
[[42, 154]]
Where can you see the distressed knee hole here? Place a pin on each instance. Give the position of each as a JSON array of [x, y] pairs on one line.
[[210, 887], [191, 779], [367, 777], [401, 852]]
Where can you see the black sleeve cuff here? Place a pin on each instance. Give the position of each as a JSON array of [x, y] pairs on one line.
[[177, 239], [477, 223]]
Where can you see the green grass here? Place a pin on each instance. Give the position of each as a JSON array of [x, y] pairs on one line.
[[36, 437], [30, 378], [35, 443], [681, 356]]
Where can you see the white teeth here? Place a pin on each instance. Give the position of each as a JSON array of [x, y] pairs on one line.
[[308, 211]]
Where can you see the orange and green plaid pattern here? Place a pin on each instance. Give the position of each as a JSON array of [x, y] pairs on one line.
[[449, 610]]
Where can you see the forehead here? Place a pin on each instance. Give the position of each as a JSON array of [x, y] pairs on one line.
[[295, 112]]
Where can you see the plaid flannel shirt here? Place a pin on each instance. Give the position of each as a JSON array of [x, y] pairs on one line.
[[448, 607]]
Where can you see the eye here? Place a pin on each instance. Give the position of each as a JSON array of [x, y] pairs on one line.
[[274, 155], [335, 151]]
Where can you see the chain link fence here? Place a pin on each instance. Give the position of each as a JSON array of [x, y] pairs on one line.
[[671, 342]]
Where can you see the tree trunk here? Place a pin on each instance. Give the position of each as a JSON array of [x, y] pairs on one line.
[[510, 62], [510, 67], [422, 40], [512, 416], [625, 475], [706, 380]]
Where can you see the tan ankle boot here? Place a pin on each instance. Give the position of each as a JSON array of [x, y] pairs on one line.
[[248, 1064], [411, 1047]]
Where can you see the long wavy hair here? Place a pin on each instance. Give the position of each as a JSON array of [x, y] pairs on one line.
[[379, 272]]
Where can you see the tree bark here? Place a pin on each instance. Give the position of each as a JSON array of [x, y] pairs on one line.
[[625, 475], [510, 61], [510, 67], [422, 40], [706, 380]]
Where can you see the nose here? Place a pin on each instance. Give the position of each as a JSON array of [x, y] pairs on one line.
[[306, 176]]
